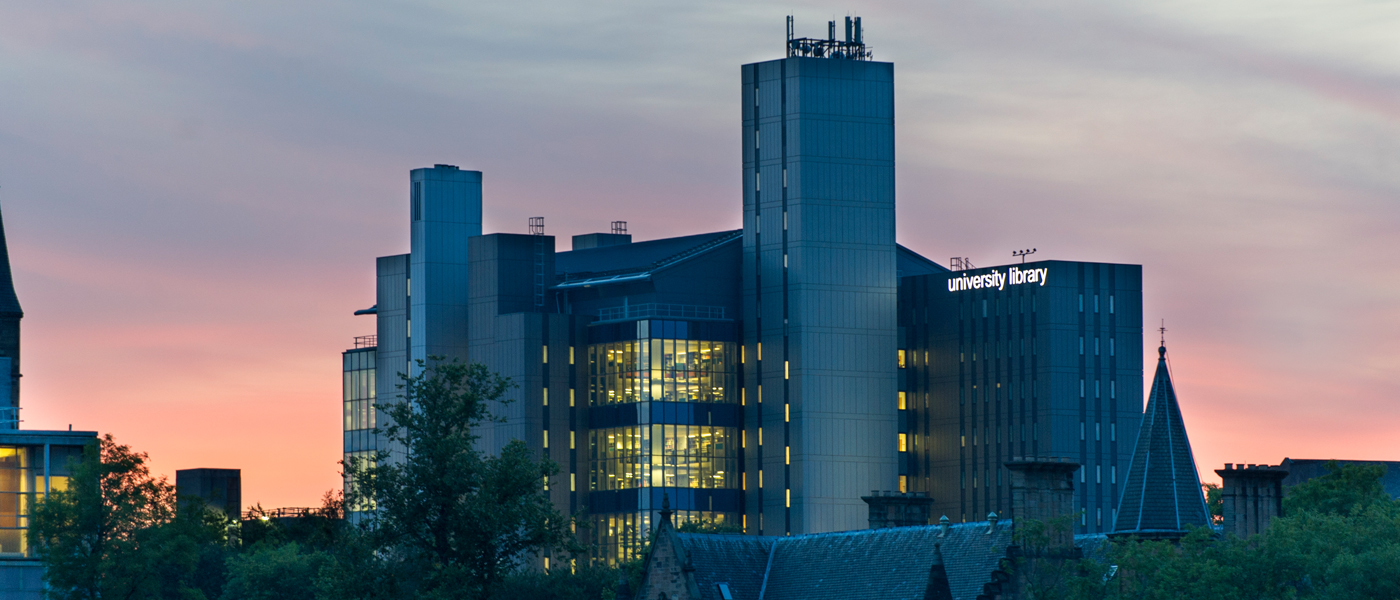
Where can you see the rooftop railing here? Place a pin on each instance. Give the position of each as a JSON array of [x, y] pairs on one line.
[[366, 341], [661, 311]]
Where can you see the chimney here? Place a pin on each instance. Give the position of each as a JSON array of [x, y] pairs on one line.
[[1042, 490], [1250, 497], [898, 509]]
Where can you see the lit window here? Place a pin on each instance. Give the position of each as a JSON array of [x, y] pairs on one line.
[[903, 442], [903, 484], [901, 359], [902, 404], [787, 455], [789, 498], [545, 356]]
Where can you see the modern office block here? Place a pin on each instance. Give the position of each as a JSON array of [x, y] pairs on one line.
[[819, 289], [1037, 360], [767, 378], [218, 489], [32, 464]]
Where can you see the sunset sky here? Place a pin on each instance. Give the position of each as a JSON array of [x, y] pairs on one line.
[[194, 193]]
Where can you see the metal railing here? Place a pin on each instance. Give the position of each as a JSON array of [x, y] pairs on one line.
[[655, 310], [293, 512], [366, 341]]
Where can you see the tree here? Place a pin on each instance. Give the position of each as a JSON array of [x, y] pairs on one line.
[[451, 520], [1215, 502], [1349, 489], [274, 572], [115, 532]]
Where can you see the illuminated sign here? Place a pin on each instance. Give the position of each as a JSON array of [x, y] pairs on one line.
[[997, 279]]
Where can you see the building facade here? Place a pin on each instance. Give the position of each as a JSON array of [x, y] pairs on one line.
[[1036, 360], [764, 378]]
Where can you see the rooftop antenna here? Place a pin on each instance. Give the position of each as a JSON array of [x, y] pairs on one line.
[[852, 48], [789, 40], [1023, 254], [619, 227], [536, 225]]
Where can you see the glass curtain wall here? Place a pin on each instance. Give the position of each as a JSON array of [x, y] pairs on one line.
[[690, 451], [358, 388], [22, 484], [665, 370]]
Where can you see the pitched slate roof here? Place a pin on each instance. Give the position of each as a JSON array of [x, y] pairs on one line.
[[9, 302], [1162, 492], [891, 564]]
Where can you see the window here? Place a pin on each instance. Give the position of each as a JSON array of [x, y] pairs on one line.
[[901, 359], [903, 484], [1112, 432], [902, 404], [1110, 304], [1081, 345], [1081, 388], [1098, 474], [1098, 427], [417, 194], [903, 442], [544, 356], [1081, 431], [1096, 346], [1110, 346], [1081, 303]]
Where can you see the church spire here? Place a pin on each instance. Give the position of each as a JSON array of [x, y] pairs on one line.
[[9, 302], [1162, 493], [10, 315]]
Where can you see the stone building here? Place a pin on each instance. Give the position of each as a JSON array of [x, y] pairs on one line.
[[947, 561]]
